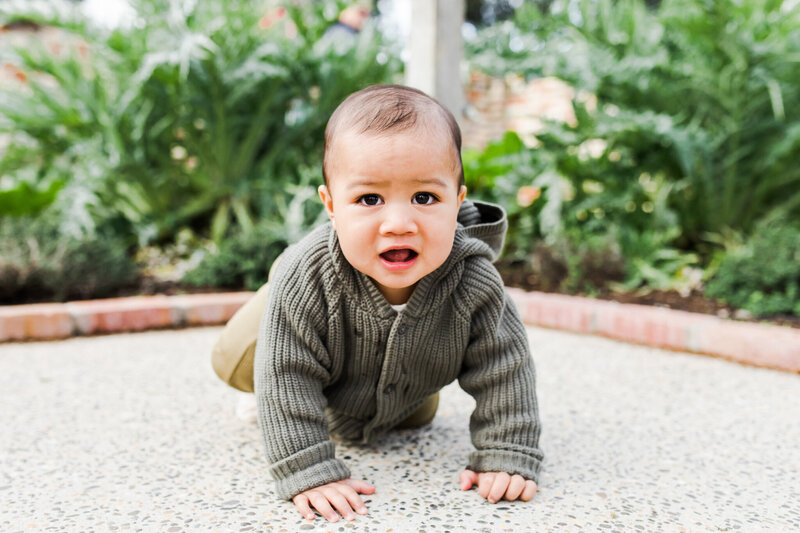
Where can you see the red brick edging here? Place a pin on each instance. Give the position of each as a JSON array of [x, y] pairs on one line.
[[56, 321], [745, 342], [755, 344]]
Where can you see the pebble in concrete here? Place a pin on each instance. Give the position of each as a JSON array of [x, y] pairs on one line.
[[135, 433]]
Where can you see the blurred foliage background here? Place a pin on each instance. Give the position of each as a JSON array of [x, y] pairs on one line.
[[681, 161], [194, 129], [190, 140]]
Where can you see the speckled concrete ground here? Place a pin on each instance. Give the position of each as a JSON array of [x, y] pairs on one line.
[[134, 432]]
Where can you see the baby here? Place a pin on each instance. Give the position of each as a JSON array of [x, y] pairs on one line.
[[369, 316]]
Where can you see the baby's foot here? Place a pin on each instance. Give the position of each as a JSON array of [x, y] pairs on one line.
[[246, 409]]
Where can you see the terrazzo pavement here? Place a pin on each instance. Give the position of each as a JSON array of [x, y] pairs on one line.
[[134, 432]]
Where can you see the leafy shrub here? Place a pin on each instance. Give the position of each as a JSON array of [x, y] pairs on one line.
[[763, 275], [40, 260], [497, 174], [582, 200], [576, 264], [686, 139], [196, 114], [244, 259], [23, 194], [241, 261], [704, 95]]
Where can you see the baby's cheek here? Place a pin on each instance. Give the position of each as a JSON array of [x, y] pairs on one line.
[[443, 247]]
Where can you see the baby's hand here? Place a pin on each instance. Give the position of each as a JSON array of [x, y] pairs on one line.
[[343, 495], [494, 485]]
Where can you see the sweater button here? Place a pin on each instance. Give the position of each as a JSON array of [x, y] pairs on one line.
[[402, 330], [388, 389]]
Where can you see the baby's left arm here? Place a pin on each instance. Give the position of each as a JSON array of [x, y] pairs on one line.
[[497, 370], [497, 485]]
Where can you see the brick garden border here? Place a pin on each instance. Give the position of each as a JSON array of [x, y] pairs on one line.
[[749, 343], [114, 315]]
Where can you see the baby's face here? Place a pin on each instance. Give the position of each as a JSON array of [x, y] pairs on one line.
[[393, 201]]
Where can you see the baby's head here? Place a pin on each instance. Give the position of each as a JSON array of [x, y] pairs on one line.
[[390, 110], [393, 184]]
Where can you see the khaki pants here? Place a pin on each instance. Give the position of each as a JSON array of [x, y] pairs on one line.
[[233, 354]]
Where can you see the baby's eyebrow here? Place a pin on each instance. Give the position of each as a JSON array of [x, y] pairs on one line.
[[369, 183], [431, 181], [385, 183]]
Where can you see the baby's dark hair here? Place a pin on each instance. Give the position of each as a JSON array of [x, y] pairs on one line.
[[383, 108]]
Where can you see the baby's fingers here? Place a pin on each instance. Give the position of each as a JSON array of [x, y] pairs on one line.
[[362, 487], [485, 481], [529, 492], [301, 502], [515, 487], [321, 504], [347, 490], [499, 487], [467, 479], [335, 495]]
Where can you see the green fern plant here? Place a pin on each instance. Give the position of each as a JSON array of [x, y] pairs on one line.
[[762, 275]]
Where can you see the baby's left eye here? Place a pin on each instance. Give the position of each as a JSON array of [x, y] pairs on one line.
[[424, 198], [369, 199]]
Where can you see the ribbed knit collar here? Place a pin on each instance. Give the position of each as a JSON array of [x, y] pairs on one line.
[[481, 230]]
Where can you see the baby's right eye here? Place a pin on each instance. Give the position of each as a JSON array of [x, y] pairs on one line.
[[369, 199]]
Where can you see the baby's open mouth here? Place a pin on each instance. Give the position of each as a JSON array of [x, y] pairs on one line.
[[399, 256]]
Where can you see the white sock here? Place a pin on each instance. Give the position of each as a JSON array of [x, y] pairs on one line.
[[246, 409]]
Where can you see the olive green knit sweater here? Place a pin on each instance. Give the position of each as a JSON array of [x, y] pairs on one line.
[[334, 359]]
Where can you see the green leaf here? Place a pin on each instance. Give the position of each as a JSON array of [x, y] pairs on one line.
[[25, 199]]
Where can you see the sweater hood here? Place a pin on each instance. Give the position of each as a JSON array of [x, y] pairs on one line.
[[485, 223]]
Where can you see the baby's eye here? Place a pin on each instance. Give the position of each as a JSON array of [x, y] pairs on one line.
[[424, 198], [369, 199]]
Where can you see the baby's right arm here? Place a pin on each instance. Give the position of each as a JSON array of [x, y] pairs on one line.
[[342, 495], [292, 367]]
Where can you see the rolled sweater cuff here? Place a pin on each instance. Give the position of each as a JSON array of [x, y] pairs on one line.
[[505, 461], [307, 469]]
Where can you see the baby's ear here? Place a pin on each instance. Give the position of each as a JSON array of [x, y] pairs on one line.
[[462, 193], [327, 201]]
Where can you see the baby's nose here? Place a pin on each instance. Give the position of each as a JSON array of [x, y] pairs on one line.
[[398, 220]]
